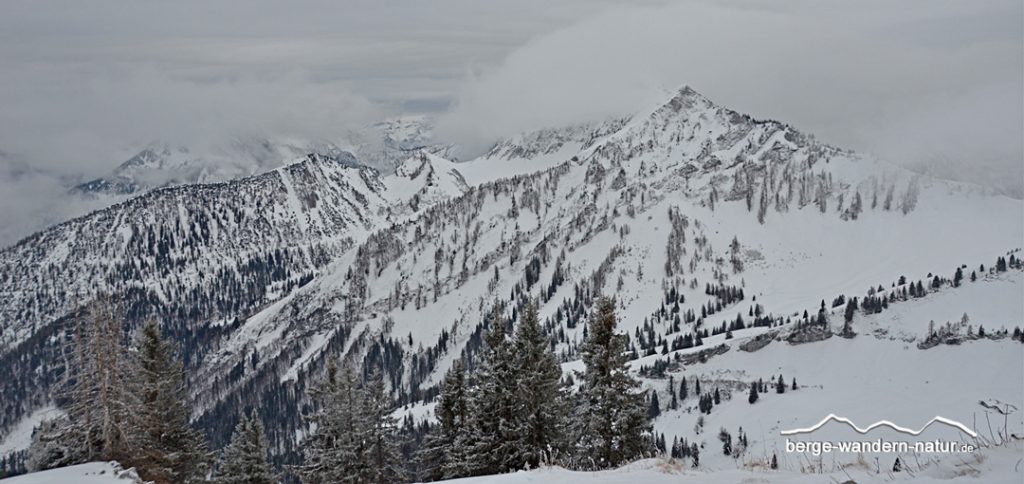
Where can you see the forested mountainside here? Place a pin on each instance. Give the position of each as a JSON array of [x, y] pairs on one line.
[[199, 258], [702, 222]]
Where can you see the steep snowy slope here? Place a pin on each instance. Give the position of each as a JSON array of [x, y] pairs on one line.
[[690, 202], [423, 180], [200, 258], [305, 212], [685, 213], [537, 150]]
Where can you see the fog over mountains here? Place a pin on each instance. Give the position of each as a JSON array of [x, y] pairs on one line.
[[715, 232], [585, 241]]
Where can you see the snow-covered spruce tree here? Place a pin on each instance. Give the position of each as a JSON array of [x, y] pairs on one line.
[[654, 406], [491, 444], [165, 448], [440, 458], [612, 426], [379, 435], [95, 397], [244, 460], [541, 413], [335, 453]]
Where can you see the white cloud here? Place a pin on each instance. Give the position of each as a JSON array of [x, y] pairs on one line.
[[909, 80], [85, 85], [79, 120]]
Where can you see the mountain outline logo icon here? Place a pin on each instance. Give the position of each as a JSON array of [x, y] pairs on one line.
[[882, 423]]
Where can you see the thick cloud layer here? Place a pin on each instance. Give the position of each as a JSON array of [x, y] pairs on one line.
[[912, 81], [931, 83]]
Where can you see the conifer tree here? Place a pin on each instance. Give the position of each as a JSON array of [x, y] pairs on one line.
[[165, 447], [612, 424], [752, 398], [382, 461], [335, 452], [654, 407], [673, 404], [244, 460], [726, 438], [440, 458], [491, 444], [540, 418]]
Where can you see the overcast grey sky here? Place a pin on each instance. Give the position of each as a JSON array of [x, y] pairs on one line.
[[82, 84]]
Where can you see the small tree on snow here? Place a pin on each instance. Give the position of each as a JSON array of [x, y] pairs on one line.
[[726, 438]]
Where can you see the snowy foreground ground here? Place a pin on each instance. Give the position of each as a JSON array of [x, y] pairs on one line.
[[90, 473], [994, 467], [1002, 465]]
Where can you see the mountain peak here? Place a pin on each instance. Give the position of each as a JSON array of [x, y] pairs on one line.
[[686, 98]]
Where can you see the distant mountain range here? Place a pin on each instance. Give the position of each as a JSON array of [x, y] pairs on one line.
[[382, 146]]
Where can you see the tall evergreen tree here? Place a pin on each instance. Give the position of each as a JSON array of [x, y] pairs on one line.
[[492, 442], [440, 458], [165, 447], [541, 413], [244, 460], [379, 434], [612, 421], [335, 453]]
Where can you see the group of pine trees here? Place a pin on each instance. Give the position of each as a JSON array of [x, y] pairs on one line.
[[355, 434], [126, 404], [760, 387], [516, 412]]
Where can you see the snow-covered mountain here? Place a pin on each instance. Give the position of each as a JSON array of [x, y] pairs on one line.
[[387, 144], [161, 164], [689, 213], [382, 146]]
